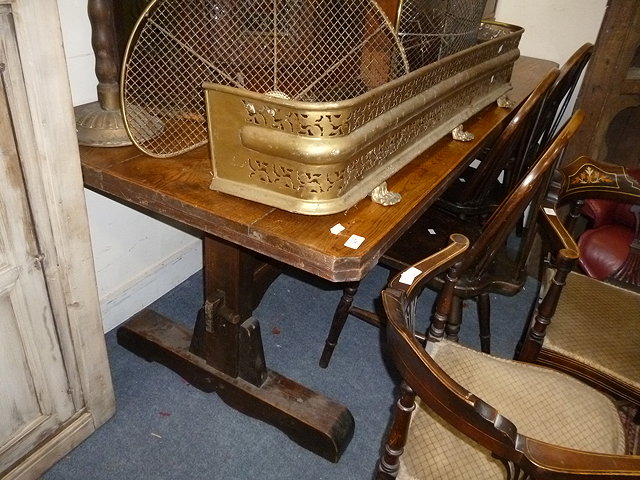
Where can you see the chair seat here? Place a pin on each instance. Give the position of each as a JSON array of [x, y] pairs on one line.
[[566, 413], [572, 331], [604, 249]]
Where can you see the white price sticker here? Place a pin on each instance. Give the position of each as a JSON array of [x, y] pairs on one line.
[[337, 228], [409, 275], [354, 241]]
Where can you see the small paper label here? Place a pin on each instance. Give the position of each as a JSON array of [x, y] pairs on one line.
[[475, 163], [337, 228], [549, 211], [354, 241], [431, 231], [409, 275]]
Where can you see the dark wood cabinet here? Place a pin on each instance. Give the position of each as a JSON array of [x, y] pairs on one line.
[[610, 93]]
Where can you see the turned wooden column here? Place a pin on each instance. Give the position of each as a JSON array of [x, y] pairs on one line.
[[100, 123]]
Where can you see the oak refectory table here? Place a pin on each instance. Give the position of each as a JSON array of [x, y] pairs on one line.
[[244, 242]]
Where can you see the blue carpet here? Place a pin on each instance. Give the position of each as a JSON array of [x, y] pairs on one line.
[[165, 429]]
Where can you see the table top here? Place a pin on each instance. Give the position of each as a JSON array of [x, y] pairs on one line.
[[178, 188]]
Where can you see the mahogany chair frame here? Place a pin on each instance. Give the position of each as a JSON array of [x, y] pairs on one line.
[[478, 191], [581, 179], [505, 145]]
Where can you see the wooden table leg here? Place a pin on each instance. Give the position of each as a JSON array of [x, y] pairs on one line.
[[224, 354]]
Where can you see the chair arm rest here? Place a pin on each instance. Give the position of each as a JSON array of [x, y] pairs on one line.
[[410, 280], [555, 231], [581, 464]]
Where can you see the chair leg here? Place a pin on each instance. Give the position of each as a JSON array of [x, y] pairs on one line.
[[339, 319], [452, 328], [397, 436], [484, 321]]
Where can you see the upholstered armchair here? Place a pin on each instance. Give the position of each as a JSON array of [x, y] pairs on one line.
[[463, 414], [593, 333]]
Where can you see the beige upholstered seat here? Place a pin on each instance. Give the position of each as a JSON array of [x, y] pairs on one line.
[[437, 451], [578, 321]]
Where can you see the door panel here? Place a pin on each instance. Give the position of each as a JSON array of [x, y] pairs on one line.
[[35, 396]]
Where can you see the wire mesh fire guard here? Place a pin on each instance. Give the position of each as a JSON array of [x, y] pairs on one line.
[[308, 105]]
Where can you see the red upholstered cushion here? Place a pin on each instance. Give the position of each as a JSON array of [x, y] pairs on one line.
[[605, 246], [604, 212], [603, 249]]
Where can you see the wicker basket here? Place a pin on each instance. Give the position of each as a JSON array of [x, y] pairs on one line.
[[321, 158]]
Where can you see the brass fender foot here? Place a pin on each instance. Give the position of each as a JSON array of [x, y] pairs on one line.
[[383, 196], [504, 102], [458, 133]]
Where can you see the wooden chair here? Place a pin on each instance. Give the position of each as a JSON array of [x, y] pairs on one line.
[[483, 417], [557, 103], [484, 184], [493, 266], [525, 137], [595, 334]]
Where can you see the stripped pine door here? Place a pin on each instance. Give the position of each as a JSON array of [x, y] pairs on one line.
[[34, 391], [55, 384]]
